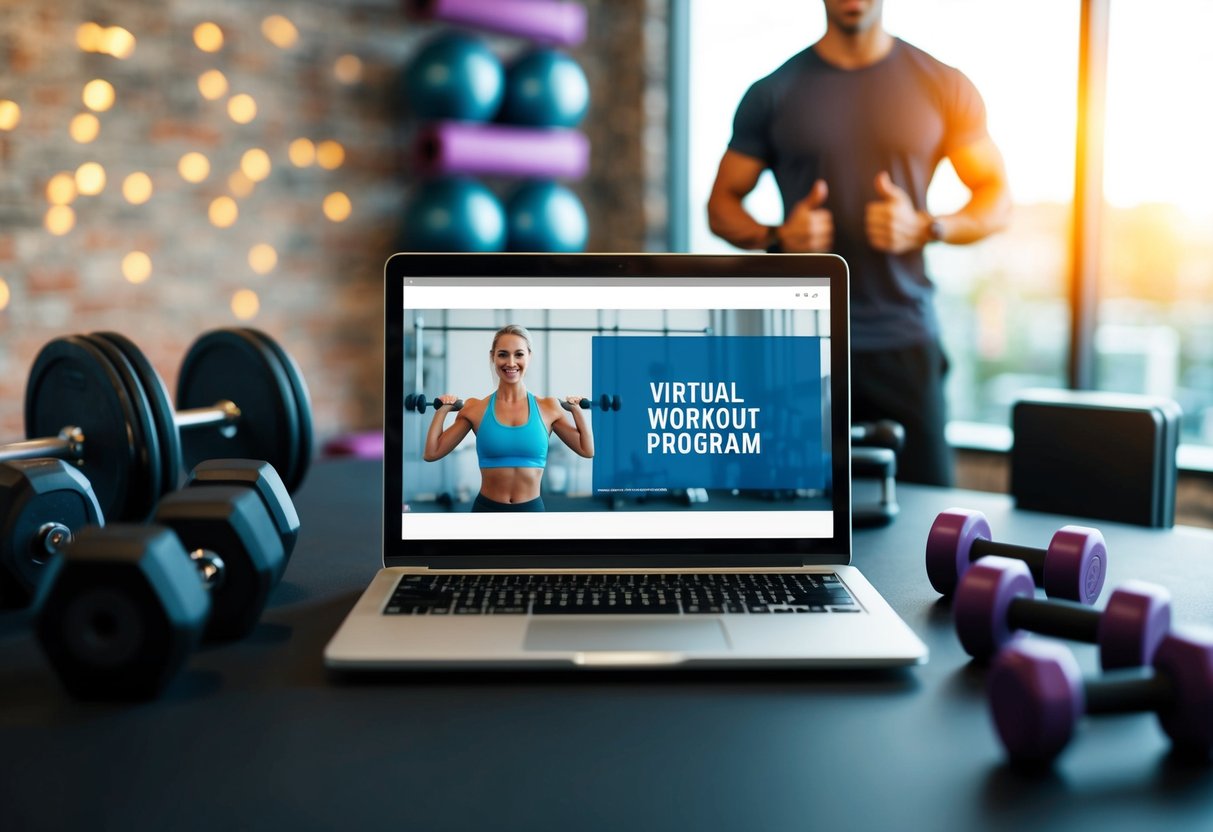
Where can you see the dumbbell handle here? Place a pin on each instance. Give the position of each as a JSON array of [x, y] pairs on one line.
[[1127, 691], [220, 413], [1031, 555], [68, 445], [210, 566], [1055, 617]]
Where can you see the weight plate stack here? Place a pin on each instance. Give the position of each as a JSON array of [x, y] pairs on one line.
[[72, 384], [230, 365]]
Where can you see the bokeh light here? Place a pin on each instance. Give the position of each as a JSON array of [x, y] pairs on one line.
[[137, 267], [117, 42], [90, 179], [212, 84], [61, 189], [337, 206], [194, 167], [240, 185], [5, 294], [242, 108], [279, 31], [60, 219], [256, 164], [262, 258], [245, 304], [302, 153], [137, 188], [84, 128], [348, 69], [330, 154], [223, 212], [90, 36], [208, 37], [98, 95], [10, 114]]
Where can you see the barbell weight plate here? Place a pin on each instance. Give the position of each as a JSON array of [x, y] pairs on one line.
[[615, 402], [71, 383], [146, 487], [161, 409], [410, 401], [303, 402], [227, 365]]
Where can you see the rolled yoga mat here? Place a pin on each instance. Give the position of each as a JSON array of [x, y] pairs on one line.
[[478, 149], [546, 21]]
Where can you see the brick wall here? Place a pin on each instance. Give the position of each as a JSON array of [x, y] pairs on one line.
[[322, 298]]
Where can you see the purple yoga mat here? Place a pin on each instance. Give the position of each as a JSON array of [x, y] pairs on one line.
[[479, 149], [546, 21]]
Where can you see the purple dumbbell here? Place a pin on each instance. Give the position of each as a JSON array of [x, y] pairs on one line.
[[1037, 694], [1073, 566], [997, 597]]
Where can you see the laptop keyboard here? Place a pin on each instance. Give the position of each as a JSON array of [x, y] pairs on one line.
[[671, 594]]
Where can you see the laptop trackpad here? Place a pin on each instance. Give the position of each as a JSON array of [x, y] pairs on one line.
[[678, 635]]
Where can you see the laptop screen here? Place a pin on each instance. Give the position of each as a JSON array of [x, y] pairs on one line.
[[611, 409]]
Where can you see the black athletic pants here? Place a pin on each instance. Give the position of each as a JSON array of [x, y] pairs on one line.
[[906, 385]]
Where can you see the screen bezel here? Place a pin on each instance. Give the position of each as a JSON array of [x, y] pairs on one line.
[[616, 552]]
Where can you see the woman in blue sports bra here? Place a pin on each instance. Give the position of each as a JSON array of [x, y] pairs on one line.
[[512, 428]]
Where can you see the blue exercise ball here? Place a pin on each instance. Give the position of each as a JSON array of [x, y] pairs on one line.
[[545, 88], [455, 214], [455, 76], [545, 216]]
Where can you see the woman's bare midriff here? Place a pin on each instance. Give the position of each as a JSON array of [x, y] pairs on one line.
[[510, 485]]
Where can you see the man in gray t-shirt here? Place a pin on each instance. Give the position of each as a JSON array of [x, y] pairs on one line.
[[853, 128]]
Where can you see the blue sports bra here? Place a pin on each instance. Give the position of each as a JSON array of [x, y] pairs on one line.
[[506, 446]]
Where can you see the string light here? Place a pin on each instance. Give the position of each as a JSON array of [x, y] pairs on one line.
[[84, 128], [5, 294], [337, 206], [90, 179], [137, 267], [348, 69], [245, 304], [89, 36], [240, 185], [279, 31], [262, 258], [60, 219], [223, 212], [61, 189], [256, 164], [212, 84], [98, 95], [10, 114], [302, 153], [242, 108], [137, 188], [208, 37], [194, 167], [330, 154], [117, 42]]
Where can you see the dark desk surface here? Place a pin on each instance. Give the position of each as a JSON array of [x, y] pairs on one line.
[[256, 734]]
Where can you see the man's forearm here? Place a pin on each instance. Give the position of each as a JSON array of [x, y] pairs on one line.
[[988, 211], [729, 220]]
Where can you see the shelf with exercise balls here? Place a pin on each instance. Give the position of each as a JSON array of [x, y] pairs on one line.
[[481, 118]]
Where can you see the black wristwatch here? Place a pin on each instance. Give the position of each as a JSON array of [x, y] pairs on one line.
[[773, 246]]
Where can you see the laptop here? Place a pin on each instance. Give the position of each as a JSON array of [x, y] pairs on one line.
[[695, 510]]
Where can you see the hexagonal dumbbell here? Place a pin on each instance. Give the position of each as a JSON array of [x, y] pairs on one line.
[[263, 479], [124, 605], [1073, 566], [43, 502], [1037, 695], [996, 599]]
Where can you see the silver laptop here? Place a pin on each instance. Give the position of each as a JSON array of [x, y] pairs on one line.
[[617, 461]]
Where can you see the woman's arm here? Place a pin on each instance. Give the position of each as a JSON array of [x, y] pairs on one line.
[[439, 442], [576, 435]]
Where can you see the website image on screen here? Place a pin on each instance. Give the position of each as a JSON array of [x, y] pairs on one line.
[[625, 422]]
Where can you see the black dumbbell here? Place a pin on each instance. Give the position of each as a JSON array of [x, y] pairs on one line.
[[605, 403], [261, 477], [1073, 566], [997, 597], [94, 400], [417, 402], [1037, 695], [883, 433], [43, 502], [124, 605]]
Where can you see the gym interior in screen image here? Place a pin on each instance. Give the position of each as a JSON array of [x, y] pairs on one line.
[[689, 409]]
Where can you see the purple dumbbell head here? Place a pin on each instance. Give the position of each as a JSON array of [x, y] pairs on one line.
[[948, 544], [1036, 697], [1186, 658], [1076, 564], [1134, 623], [981, 601]]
